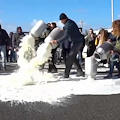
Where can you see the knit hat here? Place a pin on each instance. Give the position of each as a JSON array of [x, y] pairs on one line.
[[62, 16]]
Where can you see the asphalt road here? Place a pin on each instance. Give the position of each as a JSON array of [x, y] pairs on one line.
[[74, 108], [82, 107]]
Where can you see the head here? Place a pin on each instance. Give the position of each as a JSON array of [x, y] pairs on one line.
[[63, 17], [103, 35], [90, 31], [80, 29], [53, 25], [10, 34], [19, 29], [116, 28], [0, 27], [48, 26]]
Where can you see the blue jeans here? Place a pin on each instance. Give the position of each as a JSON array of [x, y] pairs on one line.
[[13, 56], [3, 55], [114, 61]]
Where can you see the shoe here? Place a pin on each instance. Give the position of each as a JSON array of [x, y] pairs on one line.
[[82, 74], [54, 71], [118, 75], [64, 78], [108, 76]]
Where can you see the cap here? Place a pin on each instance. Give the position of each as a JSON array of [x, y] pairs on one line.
[[63, 16]]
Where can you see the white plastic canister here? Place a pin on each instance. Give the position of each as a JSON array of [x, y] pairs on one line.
[[37, 30], [90, 67], [54, 35]]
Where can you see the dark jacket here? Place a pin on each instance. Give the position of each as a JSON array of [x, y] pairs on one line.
[[4, 38], [71, 30], [17, 39]]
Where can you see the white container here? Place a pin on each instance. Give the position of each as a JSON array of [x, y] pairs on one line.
[[103, 51], [37, 30], [55, 34], [90, 67]]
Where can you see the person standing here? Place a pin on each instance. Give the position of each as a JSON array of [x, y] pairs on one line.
[[71, 30], [16, 39], [51, 67], [4, 43], [90, 42], [80, 57], [115, 53]]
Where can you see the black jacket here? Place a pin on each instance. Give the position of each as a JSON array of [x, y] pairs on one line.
[[4, 38], [71, 30]]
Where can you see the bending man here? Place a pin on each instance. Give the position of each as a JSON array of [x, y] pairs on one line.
[[71, 30]]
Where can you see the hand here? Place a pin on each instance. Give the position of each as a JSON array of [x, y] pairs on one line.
[[54, 41], [9, 47], [111, 51], [109, 40]]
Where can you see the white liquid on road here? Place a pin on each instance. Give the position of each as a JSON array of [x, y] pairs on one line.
[[41, 86]]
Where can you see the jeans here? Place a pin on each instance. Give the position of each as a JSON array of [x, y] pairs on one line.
[[13, 56], [3, 55], [114, 61]]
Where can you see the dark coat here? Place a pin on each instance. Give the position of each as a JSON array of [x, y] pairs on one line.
[[71, 30], [16, 39], [4, 38]]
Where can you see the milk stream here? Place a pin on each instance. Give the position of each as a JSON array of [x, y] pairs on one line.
[[30, 60]]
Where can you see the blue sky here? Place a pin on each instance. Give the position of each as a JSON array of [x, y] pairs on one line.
[[25, 13]]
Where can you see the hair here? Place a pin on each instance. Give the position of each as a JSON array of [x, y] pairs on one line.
[[91, 29], [104, 35], [116, 28], [54, 24], [19, 28], [0, 26]]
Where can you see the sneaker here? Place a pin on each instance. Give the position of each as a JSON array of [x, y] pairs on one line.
[[64, 78], [54, 71], [82, 74], [108, 77], [118, 75]]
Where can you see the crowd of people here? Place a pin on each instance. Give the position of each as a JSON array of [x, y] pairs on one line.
[[72, 44]]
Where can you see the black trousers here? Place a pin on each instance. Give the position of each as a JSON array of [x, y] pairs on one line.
[[52, 61], [65, 53], [71, 58]]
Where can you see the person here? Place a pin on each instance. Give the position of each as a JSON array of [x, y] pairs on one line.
[[16, 40], [51, 67], [51, 63], [90, 42], [100, 39], [71, 30], [80, 57], [115, 53], [4, 41], [10, 50]]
